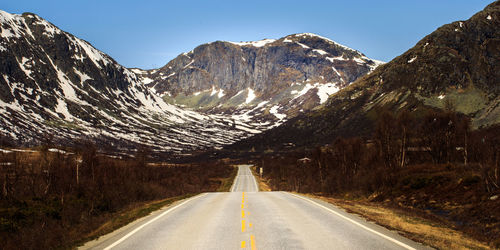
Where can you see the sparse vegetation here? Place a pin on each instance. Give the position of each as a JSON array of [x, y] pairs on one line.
[[433, 164], [54, 199], [416, 227]]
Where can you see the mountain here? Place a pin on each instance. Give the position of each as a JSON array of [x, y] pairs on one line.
[[53, 84], [268, 80], [458, 64]]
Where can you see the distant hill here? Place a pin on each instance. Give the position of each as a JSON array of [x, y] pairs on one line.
[[457, 65]]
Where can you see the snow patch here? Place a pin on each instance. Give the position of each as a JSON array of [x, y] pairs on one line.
[[221, 93], [303, 45], [488, 17], [324, 38], [336, 72], [325, 90], [337, 58], [260, 43], [214, 91], [147, 80], [56, 150], [321, 52], [412, 59], [187, 65], [62, 108], [274, 111], [68, 90], [441, 97], [250, 96], [5, 151], [83, 77]]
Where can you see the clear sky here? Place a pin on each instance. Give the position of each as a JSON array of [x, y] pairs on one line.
[[149, 33]]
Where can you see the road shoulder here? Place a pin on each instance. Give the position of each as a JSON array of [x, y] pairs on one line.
[[407, 223]]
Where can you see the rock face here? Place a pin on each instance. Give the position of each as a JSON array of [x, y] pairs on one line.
[[458, 62], [53, 84], [291, 74]]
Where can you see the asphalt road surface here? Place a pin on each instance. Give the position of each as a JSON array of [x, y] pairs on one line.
[[248, 219]]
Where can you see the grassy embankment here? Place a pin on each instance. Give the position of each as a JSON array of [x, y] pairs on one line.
[[56, 200]]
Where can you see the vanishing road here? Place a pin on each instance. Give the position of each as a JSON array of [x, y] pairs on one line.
[[246, 218]]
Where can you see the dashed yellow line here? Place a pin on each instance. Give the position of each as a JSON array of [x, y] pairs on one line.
[[243, 225], [252, 242]]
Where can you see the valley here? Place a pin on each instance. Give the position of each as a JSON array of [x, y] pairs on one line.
[[100, 156]]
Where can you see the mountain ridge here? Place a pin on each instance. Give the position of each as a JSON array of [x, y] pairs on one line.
[[56, 85], [456, 64], [267, 80]]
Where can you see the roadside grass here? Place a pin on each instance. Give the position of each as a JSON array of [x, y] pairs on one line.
[[129, 215], [226, 183], [137, 211], [140, 210], [262, 182], [408, 224]]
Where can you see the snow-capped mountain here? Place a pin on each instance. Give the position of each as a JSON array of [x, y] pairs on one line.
[[267, 80], [455, 66], [53, 84]]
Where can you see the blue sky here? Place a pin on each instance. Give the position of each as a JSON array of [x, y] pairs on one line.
[[149, 33]]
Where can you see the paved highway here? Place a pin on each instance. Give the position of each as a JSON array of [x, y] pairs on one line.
[[245, 218]]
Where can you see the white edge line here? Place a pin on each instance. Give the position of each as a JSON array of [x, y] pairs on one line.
[[236, 179], [149, 222], [357, 223]]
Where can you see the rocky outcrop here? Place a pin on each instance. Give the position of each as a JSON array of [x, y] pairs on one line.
[[269, 68]]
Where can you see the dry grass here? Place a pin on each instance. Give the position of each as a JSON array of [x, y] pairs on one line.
[[130, 214], [226, 183], [411, 226], [263, 186]]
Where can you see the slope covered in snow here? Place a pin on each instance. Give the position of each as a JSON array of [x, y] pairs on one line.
[[55, 85]]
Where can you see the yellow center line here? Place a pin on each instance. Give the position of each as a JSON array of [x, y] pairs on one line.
[[242, 213], [252, 242], [243, 244], [249, 224], [242, 225]]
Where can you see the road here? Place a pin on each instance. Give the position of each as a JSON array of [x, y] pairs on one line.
[[246, 218]]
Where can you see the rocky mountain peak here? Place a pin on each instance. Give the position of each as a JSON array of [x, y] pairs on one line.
[[286, 76]]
